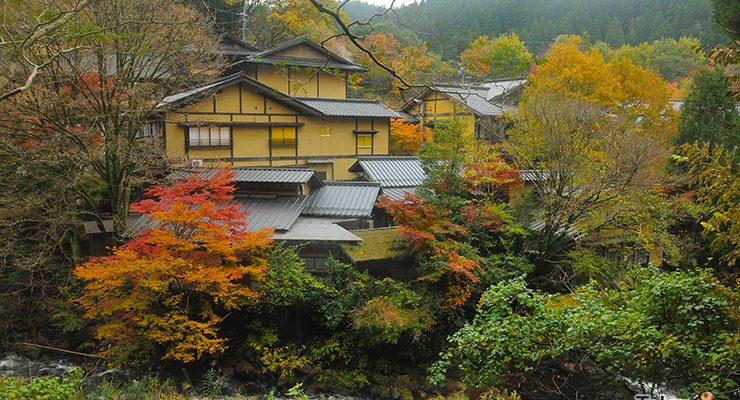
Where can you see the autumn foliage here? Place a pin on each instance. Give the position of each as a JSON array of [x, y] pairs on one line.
[[491, 178], [406, 138], [503, 56], [615, 84], [431, 233], [168, 289]]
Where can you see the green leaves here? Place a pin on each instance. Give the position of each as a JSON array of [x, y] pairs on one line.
[[676, 328]]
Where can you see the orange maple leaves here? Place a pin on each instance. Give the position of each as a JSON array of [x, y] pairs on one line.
[[172, 285], [430, 231], [407, 139]]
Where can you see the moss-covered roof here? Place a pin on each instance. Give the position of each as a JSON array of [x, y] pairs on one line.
[[377, 244]]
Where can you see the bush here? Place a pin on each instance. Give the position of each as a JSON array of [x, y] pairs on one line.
[[43, 388]]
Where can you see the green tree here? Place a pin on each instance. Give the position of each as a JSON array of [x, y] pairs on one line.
[[714, 172], [678, 329], [709, 113], [503, 56]]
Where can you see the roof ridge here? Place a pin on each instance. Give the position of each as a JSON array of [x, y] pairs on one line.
[[335, 99], [353, 183]]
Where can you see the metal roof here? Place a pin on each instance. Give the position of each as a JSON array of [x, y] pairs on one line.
[[201, 92], [340, 62], [398, 193], [317, 229], [278, 212], [302, 62], [533, 175], [483, 100], [475, 98], [231, 45], [255, 175], [343, 199], [391, 171], [198, 91], [500, 88], [348, 107]]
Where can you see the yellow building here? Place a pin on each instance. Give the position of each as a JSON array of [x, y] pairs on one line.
[[481, 107], [286, 106]]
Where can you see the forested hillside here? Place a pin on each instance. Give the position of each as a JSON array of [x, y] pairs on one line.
[[448, 28]]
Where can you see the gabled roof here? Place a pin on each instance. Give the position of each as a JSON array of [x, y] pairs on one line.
[[343, 199], [256, 174], [348, 107], [391, 171], [482, 100], [233, 46], [317, 106], [332, 61], [194, 95]]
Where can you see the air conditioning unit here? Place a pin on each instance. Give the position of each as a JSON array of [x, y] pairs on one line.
[[196, 163]]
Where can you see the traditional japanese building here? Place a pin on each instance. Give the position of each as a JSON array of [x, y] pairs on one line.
[[283, 107], [481, 107]]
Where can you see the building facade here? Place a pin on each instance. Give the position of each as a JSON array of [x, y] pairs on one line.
[[482, 108], [284, 107]]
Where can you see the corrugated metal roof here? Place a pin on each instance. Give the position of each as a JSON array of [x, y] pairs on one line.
[[343, 62], [255, 175], [398, 193], [348, 107], [175, 98], [391, 171], [302, 62], [475, 98], [532, 175], [308, 229], [501, 87], [343, 199], [278, 212]]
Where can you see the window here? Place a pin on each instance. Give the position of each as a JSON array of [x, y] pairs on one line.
[[365, 141], [325, 131], [209, 136], [284, 135], [149, 130]]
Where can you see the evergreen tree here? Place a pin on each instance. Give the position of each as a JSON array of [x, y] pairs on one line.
[[709, 113]]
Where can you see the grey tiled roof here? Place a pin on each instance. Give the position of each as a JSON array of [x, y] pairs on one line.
[[348, 107], [391, 171], [343, 199], [256, 174]]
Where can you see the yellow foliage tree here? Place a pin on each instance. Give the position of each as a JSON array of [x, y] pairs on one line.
[[406, 138], [619, 84]]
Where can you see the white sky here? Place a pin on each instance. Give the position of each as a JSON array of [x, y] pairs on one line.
[[388, 2]]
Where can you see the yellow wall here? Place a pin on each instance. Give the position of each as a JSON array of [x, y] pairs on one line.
[[324, 144], [303, 82], [439, 108]]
